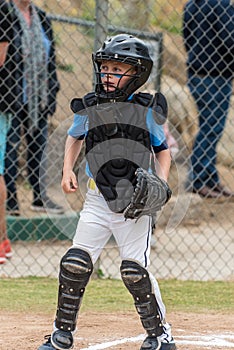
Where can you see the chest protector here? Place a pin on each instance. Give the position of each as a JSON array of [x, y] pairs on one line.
[[117, 143]]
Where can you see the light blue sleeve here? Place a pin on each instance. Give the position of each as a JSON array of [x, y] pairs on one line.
[[79, 126], [157, 135]]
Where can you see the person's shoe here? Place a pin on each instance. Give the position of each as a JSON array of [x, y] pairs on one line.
[[47, 345], [151, 343], [168, 346], [7, 247], [58, 340], [12, 207], [46, 206], [2, 254], [207, 192], [62, 340], [224, 191]]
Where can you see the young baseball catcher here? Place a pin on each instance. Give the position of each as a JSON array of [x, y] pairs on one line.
[[128, 164]]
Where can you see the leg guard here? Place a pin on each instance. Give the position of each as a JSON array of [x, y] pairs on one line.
[[136, 279], [76, 268]]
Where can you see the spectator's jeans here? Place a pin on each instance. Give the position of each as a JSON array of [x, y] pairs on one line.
[[36, 143], [212, 97]]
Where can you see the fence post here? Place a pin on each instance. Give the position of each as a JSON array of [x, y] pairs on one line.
[[101, 22]]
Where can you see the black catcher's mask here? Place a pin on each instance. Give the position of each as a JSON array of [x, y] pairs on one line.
[[127, 49]]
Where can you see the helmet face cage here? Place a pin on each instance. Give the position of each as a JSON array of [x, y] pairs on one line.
[[126, 49]]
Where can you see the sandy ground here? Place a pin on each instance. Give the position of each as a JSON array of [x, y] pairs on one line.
[[119, 331]]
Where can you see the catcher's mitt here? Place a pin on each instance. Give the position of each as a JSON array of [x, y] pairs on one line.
[[150, 194]]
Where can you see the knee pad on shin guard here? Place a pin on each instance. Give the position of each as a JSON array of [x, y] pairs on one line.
[[76, 268], [136, 279]]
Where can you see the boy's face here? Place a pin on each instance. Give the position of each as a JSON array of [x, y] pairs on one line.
[[112, 74]]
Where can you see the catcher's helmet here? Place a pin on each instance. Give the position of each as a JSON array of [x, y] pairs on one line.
[[127, 49]]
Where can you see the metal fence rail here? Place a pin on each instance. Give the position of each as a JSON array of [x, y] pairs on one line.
[[194, 237]]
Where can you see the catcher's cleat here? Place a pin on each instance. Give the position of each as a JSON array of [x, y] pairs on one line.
[[59, 340], [168, 346], [151, 343], [62, 340], [47, 345]]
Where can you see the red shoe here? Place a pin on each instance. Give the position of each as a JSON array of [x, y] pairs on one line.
[[2, 254], [6, 244]]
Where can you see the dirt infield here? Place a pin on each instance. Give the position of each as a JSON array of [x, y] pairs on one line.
[[119, 331]]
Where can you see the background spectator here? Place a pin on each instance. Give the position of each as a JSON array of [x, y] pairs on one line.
[[5, 37], [29, 89], [208, 30]]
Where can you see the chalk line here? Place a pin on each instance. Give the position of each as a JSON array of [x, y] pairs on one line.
[[221, 340], [115, 342]]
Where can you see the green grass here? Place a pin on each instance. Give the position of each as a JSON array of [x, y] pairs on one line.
[[66, 67], [40, 295]]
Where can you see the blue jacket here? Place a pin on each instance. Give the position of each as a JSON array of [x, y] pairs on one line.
[[208, 30]]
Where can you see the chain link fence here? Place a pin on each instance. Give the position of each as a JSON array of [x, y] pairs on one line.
[[194, 237]]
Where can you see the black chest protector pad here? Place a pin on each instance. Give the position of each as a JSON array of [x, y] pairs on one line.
[[117, 143]]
